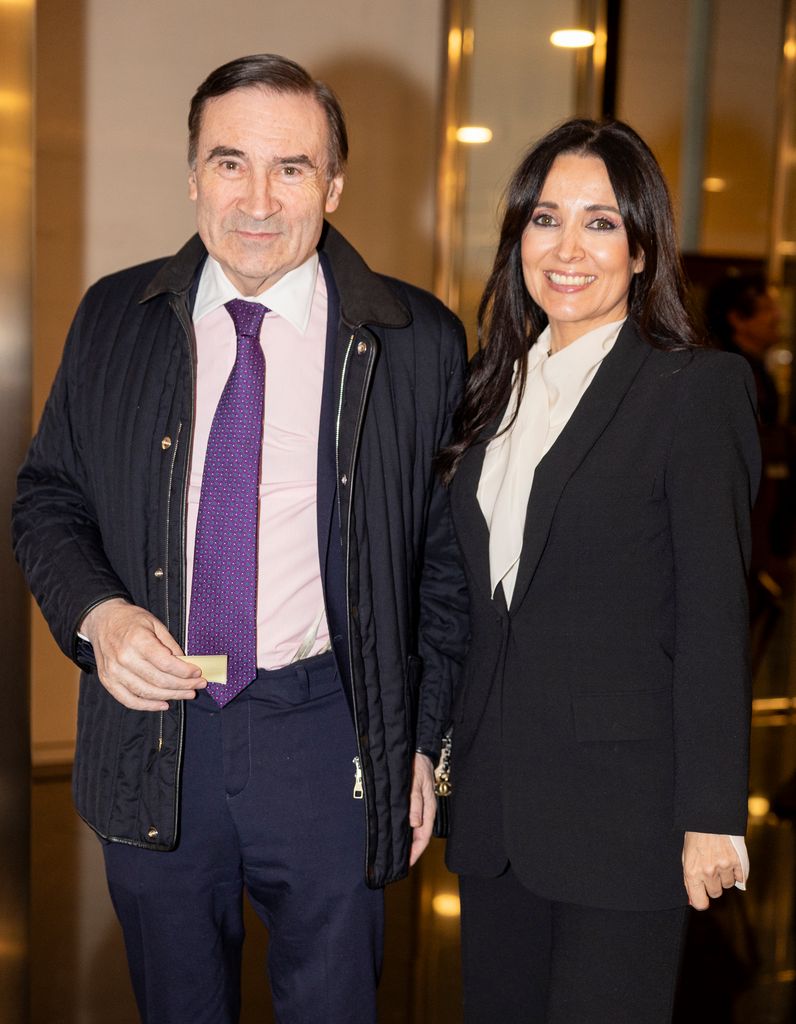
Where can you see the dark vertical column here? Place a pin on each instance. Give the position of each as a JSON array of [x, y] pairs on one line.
[[613, 22], [16, 177]]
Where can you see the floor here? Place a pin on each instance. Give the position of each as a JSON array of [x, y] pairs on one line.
[[741, 961]]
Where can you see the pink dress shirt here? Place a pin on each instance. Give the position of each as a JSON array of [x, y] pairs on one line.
[[291, 619]]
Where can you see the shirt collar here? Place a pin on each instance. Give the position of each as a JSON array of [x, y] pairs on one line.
[[291, 296], [588, 349]]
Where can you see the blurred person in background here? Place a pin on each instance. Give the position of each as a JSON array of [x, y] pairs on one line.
[[744, 315]]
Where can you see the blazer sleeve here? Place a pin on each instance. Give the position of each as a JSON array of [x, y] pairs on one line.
[[443, 603], [711, 480], [57, 540]]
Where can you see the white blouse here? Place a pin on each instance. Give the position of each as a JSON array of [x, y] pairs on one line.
[[554, 385]]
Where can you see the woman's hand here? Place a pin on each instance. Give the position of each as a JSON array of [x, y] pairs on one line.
[[710, 864]]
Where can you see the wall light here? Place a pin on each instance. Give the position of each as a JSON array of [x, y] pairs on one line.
[[13, 102], [714, 184], [474, 134], [454, 45], [759, 806], [573, 38], [446, 904]]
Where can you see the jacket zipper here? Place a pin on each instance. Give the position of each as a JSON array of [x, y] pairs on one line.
[[168, 534], [187, 326], [337, 427], [180, 309], [359, 789], [354, 453], [168, 515]]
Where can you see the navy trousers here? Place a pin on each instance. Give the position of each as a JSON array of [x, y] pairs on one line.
[[268, 805]]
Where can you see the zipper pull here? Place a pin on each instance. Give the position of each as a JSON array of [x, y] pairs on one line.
[[155, 752], [359, 789]]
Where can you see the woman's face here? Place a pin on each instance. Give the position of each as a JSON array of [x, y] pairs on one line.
[[575, 258]]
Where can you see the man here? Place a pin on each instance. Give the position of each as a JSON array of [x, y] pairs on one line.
[[236, 459]]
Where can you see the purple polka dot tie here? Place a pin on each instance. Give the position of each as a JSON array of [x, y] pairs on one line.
[[223, 618]]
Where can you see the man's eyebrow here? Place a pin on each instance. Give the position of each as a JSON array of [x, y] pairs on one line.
[[223, 151], [301, 159], [229, 152]]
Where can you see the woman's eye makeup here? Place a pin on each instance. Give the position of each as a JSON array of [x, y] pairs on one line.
[[545, 219], [603, 224]]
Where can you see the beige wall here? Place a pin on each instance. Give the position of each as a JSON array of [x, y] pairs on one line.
[[114, 81]]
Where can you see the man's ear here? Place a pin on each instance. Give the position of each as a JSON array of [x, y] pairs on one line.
[[333, 193], [192, 191]]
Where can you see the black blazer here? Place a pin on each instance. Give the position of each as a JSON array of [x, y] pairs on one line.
[[607, 710]]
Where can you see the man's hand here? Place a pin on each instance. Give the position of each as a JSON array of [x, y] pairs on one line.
[[422, 805], [710, 865], [137, 657]]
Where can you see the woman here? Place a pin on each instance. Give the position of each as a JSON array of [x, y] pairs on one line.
[[602, 476]]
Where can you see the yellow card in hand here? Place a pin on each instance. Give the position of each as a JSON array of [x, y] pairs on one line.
[[213, 666]]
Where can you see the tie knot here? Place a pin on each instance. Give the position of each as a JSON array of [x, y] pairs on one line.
[[246, 316]]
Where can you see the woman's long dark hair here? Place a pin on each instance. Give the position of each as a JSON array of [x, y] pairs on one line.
[[509, 321]]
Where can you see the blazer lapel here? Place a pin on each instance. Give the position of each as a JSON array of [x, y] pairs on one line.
[[590, 418]]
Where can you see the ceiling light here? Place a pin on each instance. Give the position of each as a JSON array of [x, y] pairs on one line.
[[475, 134], [573, 38]]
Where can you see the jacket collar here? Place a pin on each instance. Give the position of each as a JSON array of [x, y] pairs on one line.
[[178, 273], [365, 297]]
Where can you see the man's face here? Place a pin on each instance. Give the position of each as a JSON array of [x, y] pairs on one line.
[[261, 183], [760, 331]]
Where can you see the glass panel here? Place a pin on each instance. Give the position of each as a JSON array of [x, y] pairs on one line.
[[517, 84], [737, 166]]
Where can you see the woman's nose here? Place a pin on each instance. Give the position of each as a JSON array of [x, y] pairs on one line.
[[570, 245]]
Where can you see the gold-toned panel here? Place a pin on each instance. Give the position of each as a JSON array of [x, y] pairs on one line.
[[16, 175]]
